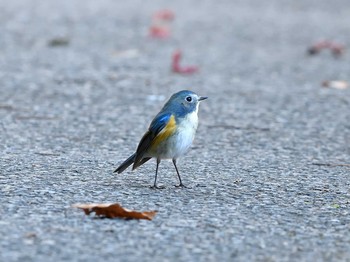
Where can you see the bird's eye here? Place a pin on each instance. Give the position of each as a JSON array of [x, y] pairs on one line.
[[188, 99]]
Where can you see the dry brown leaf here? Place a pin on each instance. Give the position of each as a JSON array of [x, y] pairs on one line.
[[335, 84], [114, 210]]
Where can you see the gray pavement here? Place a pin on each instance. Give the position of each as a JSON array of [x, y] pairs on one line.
[[70, 114]]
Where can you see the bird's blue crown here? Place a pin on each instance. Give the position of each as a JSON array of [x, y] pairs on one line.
[[181, 103]]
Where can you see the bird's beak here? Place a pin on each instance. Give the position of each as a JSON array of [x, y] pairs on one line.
[[202, 98]]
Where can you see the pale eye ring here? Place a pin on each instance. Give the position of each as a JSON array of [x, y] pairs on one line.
[[189, 99]]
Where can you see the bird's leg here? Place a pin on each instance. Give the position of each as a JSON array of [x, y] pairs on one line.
[[178, 174], [155, 178]]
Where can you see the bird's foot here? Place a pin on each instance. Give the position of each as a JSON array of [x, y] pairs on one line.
[[182, 186], [157, 187]]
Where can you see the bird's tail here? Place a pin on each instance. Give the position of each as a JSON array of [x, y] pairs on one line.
[[125, 164]]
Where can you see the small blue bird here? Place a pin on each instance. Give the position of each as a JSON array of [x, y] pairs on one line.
[[169, 135]]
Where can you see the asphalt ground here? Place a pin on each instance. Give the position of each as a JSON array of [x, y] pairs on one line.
[[268, 172]]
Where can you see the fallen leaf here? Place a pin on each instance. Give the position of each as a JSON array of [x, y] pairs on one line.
[[165, 15], [160, 26], [335, 84], [159, 31], [177, 68], [336, 48], [114, 210]]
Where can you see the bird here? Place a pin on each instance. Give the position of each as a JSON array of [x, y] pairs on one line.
[[169, 135]]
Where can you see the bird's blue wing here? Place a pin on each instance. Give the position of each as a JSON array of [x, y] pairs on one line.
[[157, 125], [159, 122]]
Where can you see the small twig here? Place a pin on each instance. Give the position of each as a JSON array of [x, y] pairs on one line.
[[330, 164], [46, 154], [58, 41], [322, 189], [36, 117], [7, 107]]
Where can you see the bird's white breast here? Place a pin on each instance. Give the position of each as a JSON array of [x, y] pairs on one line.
[[186, 130]]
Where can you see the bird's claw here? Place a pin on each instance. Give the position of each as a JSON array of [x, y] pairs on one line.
[[181, 186], [156, 187]]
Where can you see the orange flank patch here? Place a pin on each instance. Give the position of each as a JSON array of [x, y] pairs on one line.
[[167, 131]]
